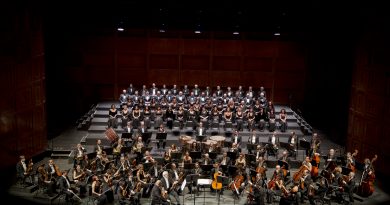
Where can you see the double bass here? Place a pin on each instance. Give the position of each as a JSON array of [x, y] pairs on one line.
[[216, 185], [366, 185], [350, 164], [315, 162]]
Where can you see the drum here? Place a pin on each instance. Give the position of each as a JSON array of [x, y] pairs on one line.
[[183, 139], [219, 139]]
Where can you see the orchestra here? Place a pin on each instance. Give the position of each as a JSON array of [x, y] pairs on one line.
[[134, 171]]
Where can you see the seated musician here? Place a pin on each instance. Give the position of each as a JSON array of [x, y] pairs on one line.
[[158, 194], [52, 170], [216, 171], [98, 148], [170, 186], [45, 182], [187, 158], [304, 184], [348, 183], [194, 147], [102, 162], [307, 163], [261, 167], [200, 130], [117, 149], [166, 158], [274, 144], [65, 186], [253, 139], [258, 190], [206, 159], [155, 170], [331, 160], [286, 159], [161, 142], [148, 158], [224, 159], [144, 178], [289, 196], [134, 191], [171, 149], [24, 171], [236, 138], [259, 152], [97, 191], [197, 170], [275, 183], [79, 176], [314, 145], [79, 154], [292, 141], [123, 166], [137, 148], [241, 162], [126, 194]]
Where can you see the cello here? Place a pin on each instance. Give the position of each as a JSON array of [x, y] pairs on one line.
[[315, 164], [237, 183], [366, 185]]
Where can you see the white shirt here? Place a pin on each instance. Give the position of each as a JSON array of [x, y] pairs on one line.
[[167, 182], [253, 139], [24, 166], [223, 161], [257, 155], [176, 175], [273, 140], [200, 131], [292, 140], [235, 139]]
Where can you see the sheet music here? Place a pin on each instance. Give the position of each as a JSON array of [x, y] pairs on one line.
[[183, 185], [204, 181]]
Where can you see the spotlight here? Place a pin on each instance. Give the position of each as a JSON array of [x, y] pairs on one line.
[[236, 33], [162, 28], [120, 29], [198, 30], [277, 34]]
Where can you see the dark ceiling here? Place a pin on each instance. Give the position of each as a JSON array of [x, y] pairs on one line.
[[213, 15]]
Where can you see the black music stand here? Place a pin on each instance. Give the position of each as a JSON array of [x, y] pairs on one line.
[[213, 155], [285, 145], [227, 144], [200, 138], [232, 155], [146, 136], [251, 146], [190, 179], [189, 166], [161, 136], [176, 156], [305, 145], [126, 149], [225, 182], [206, 168], [127, 135], [195, 155], [283, 164], [251, 159], [232, 170]]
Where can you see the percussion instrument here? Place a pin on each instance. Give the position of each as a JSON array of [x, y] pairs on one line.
[[219, 139]]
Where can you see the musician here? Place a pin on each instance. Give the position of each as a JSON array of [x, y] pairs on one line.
[[65, 187], [143, 176], [259, 192], [148, 158], [259, 152], [197, 170], [224, 159], [350, 158], [194, 147], [236, 138], [305, 182], [292, 141], [161, 142], [227, 116], [117, 149], [187, 158], [166, 158], [261, 167], [253, 139], [349, 185], [123, 166], [155, 170], [22, 170], [146, 116], [137, 148], [79, 176], [79, 154], [169, 116], [206, 159], [251, 119], [241, 162], [331, 160], [125, 194], [171, 149], [177, 175], [112, 114], [136, 115], [277, 178], [290, 197], [274, 144], [97, 191], [285, 157], [169, 184], [314, 145], [157, 195], [98, 148], [44, 181], [52, 170], [102, 162]]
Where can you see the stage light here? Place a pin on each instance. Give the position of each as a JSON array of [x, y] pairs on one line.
[[236, 33], [120, 29], [162, 28], [277, 34], [198, 29]]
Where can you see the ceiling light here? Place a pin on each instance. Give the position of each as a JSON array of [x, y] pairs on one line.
[[120, 29]]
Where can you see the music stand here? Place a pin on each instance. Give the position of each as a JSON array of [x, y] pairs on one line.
[[190, 179], [232, 155], [161, 136], [227, 144], [195, 155], [200, 138], [283, 164], [206, 167], [305, 145], [213, 155], [189, 166], [232, 170], [176, 156], [146, 137], [285, 145], [126, 149], [127, 135], [225, 182], [251, 159], [251, 146]]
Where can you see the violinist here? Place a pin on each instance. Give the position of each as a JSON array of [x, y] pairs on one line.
[[142, 176], [304, 183], [43, 180], [259, 152], [97, 191], [79, 177], [133, 192], [123, 167], [148, 158], [166, 158], [169, 185], [155, 170], [159, 195], [261, 167], [125, 193], [173, 148], [258, 191], [65, 186], [290, 197]]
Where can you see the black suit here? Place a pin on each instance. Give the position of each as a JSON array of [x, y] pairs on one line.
[[64, 185], [157, 198]]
